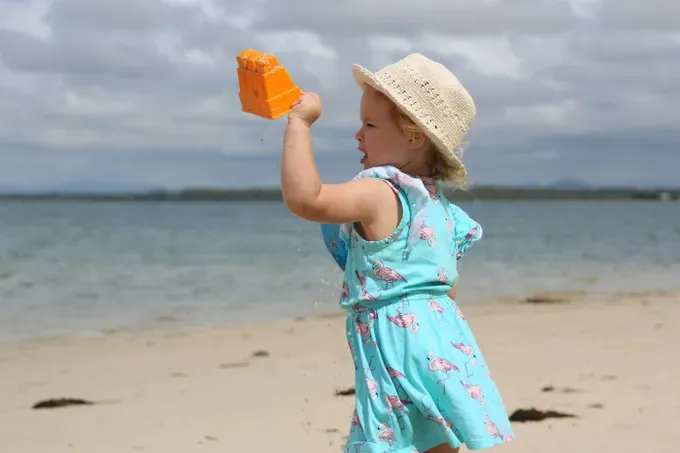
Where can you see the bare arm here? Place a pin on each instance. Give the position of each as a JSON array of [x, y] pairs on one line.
[[304, 194], [453, 292]]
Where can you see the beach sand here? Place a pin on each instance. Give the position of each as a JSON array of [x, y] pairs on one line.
[[271, 387]]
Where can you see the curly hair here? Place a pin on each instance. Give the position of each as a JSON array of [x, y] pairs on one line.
[[443, 169]]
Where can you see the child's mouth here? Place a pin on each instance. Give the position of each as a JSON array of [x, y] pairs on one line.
[[363, 158]]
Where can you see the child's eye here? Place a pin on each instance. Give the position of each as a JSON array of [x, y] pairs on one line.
[[369, 124]]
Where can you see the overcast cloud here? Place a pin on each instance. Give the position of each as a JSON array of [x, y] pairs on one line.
[[144, 92]]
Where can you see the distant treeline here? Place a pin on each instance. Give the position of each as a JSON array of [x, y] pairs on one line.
[[274, 194]]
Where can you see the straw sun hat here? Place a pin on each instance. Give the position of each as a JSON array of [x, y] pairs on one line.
[[430, 95]]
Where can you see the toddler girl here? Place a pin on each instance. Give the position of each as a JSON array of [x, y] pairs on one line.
[[422, 385]]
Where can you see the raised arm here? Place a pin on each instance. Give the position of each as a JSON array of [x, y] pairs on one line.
[[304, 194]]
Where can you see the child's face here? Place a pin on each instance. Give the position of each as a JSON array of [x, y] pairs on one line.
[[380, 138]]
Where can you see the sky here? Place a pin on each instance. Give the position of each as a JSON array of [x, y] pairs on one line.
[[143, 93]]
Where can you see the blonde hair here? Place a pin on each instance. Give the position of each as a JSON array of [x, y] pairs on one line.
[[442, 169]]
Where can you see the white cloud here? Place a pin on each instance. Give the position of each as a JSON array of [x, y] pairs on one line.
[[546, 114], [312, 54], [585, 8], [490, 56], [27, 17]]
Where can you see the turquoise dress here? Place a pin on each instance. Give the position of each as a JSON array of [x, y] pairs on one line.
[[420, 377]]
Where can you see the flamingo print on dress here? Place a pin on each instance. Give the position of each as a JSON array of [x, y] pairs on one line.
[[488, 373], [372, 314], [459, 313], [441, 275], [438, 419], [432, 189], [385, 433], [462, 246], [363, 329], [394, 374], [439, 365], [435, 307], [475, 391], [353, 239], [344, 296], [472, 233], [419, 199], [491, 427], [386, 274], [371, 385], [373, 388], [426, 233], [365, 295], [357, 447], [352, 353], [396, 403], [467, 350], [405, 181], [406, 320], [355, 421], [358, 310], [493, 431]]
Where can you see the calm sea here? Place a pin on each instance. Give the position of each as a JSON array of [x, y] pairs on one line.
[[78, 267]]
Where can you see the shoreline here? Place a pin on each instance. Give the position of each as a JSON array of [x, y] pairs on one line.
[[174, 326], [480, 192], [655, 198], [220, 389]]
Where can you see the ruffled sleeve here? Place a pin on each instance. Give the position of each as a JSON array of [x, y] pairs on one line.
[[466, 231]]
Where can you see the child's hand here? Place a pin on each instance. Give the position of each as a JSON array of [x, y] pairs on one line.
[[307, 108]]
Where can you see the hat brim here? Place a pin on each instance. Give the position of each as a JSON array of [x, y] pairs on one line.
[[363, 76]]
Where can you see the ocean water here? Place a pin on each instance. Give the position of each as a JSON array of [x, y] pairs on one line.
[[84, 267]]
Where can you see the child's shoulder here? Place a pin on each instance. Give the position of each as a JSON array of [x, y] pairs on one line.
[[417, 190], [392, 175]]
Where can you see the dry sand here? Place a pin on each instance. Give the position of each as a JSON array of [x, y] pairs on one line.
[[609, 361]]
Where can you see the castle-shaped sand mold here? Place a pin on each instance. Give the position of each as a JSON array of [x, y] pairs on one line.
[[265, 87]]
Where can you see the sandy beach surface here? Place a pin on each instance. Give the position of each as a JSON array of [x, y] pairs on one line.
[[607, 360]]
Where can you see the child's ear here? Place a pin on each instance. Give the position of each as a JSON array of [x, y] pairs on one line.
[[416, 140]]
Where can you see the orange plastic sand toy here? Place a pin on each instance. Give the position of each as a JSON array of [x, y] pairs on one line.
[[265, 88]]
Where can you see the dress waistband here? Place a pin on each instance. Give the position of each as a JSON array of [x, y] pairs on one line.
[[362, 304]]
